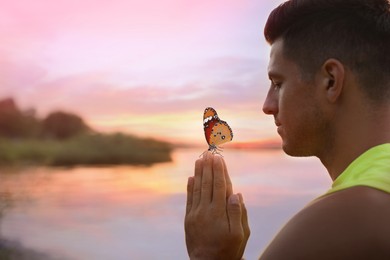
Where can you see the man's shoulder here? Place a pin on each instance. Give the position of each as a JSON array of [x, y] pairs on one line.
[[357, 196], [349, 224], [355, 201]]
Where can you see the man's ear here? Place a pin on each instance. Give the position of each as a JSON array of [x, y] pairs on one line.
[[333, 77]]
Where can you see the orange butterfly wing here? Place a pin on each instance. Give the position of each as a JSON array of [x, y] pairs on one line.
[[220, 133], [209, 112], [216, 131]]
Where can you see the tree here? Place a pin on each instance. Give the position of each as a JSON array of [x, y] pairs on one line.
[[62, 125], [15, 123]]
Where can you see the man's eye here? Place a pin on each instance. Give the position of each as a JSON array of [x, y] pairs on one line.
[[276, 85]]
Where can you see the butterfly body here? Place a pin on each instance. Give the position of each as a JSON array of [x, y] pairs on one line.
[[216, 131]]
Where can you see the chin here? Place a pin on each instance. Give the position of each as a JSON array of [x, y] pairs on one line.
[[296, 150]]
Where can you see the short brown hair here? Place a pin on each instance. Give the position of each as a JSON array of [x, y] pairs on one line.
[[356, 32]]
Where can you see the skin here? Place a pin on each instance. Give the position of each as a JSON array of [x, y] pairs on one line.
[[216, 222], [328, 117]]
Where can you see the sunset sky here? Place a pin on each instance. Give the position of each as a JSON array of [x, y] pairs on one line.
[[144, 67]]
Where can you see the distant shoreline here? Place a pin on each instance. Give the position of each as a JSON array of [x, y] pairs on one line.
[[85, 149], [64, 139]]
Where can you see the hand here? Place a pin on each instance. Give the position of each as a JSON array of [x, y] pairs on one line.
[[216, 223]]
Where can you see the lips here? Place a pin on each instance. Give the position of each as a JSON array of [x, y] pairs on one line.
[[278, 125]]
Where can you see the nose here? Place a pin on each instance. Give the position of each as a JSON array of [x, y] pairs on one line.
[[270, 106]]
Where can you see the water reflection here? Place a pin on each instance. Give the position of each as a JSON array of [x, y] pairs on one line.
[[130, 212]]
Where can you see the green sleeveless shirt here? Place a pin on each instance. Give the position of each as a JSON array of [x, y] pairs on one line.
[[371, 169]]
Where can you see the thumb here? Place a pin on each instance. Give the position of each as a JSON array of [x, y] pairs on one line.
[[234, 213]]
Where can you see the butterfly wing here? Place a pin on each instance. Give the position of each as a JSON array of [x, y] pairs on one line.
[[209, 113], [220, 133], [210, 116], [216, 131], [208, 129]]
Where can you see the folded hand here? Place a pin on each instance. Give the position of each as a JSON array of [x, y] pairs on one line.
[[216, 222]]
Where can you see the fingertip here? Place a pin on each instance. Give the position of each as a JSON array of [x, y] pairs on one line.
[[199, 161], [241, 198], [207, 162], [234, 199], [217, 158], [206, 154], [198, 166]]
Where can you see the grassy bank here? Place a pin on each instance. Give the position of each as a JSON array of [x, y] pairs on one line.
[[88, 149]]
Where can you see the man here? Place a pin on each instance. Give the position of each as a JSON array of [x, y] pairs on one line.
[[330, 97]]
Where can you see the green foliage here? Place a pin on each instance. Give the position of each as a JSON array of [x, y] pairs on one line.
[[91, 149]]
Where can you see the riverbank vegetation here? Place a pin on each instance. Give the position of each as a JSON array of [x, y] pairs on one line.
[[64, 139], [87, 149]]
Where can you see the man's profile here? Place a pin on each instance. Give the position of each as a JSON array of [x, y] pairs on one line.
[[329, 70]]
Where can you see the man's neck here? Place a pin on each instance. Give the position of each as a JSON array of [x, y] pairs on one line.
[[354, 135]]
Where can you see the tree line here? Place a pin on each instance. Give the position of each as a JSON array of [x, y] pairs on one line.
[[18, 124]]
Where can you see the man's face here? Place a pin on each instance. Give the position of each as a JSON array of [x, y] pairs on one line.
[[294, 104]]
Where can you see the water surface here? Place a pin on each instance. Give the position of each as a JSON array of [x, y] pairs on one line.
[[129, 212]]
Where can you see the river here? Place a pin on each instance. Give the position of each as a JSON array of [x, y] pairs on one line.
[[136, 212]]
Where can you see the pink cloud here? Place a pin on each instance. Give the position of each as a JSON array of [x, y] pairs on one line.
[[15, 75], [107, 60]]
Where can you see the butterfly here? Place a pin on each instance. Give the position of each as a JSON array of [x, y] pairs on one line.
[[216, 131]]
